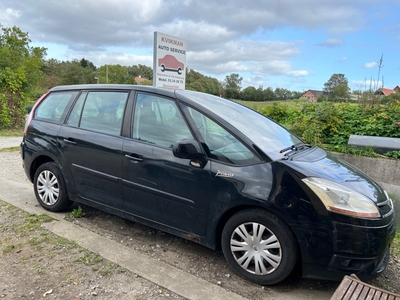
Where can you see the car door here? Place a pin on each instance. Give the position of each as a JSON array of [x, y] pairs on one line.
[[157, 185], [91, 143]]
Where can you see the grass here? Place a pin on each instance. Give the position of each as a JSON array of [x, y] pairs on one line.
[[12, 132], [10, 149]]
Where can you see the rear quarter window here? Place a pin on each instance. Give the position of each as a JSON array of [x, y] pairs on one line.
[[53, 107]]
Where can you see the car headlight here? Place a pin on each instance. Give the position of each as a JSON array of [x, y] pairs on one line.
[[340, 199]]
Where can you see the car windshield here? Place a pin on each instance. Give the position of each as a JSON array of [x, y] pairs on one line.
[[269, 136]]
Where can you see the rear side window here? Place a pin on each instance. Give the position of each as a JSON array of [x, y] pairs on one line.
[[99, 111], [52, 108]]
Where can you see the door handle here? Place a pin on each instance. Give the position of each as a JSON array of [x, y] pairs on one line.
[[134, 157], [68, 141]]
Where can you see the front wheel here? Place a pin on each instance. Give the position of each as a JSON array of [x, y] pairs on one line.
[[259, 246], [50, 189]]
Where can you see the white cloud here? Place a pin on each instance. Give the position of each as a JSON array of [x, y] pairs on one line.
[[370, 65], [8, 15], [223, 36]]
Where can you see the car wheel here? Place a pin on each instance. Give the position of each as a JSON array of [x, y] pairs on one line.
[[50, 189], [259, 246], [162, 68], [179, 71]]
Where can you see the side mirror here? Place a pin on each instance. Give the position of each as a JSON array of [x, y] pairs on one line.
[[187, 149]]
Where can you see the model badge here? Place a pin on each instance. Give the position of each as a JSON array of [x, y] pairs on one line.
[[223, 174]]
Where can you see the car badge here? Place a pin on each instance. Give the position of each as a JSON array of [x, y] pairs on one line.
[[223, 174]]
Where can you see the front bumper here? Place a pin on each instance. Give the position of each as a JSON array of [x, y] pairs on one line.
[[361, 250]]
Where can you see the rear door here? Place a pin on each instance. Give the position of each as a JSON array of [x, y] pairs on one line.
[[91, 143], [157, 185]]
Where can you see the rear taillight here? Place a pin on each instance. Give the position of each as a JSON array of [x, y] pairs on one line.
[[30, 116]]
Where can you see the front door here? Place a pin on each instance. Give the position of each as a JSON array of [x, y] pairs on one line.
[[157, 185]]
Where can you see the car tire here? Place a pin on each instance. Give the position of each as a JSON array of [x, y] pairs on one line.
[[50, 188], [179, 71], [162, 68], [257, 235]]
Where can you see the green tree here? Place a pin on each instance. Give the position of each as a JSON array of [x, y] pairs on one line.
[[87, 64], [337, 87], [268, 94], [249, 93], [73, 73], [196, 81], [233, 82], [20, 71], [116, 74]]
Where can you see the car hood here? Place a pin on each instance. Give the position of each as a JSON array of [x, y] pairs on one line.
[[332, 168]]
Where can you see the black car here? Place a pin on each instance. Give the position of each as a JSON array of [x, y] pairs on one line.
[[212, 171]]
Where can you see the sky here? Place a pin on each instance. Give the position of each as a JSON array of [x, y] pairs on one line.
[[292, 44]]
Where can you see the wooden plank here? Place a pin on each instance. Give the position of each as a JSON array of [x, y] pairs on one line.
[[357, 292], [364, 292], [371, 294]]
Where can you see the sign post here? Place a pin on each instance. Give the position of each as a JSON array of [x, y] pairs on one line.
[[169, 61]]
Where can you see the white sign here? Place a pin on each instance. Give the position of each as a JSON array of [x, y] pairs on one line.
[[169, 61]]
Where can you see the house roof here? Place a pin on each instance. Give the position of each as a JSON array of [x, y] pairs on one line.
[[384, 91], [139, 79], [315, 92]]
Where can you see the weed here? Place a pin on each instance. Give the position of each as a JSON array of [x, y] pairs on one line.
[[77, 213], [90, 258], [10, 248], [105, 271]]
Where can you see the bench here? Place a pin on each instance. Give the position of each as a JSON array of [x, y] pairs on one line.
[[352, 288]]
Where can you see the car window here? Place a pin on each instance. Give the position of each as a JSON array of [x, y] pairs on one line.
[[53, 106], [267, 135], [99, 111], [158, 121], [222, 145]]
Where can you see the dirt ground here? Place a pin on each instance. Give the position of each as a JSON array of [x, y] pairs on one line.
[[35, 263]]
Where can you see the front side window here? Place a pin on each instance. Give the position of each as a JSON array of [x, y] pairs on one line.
[[53, 106], [99, 111], [269, 136], [221, 144], [158, 121]]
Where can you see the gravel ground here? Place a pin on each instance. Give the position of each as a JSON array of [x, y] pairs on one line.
[[8, 142]]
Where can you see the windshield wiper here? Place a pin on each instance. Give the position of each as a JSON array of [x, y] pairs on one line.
[[295, 148]]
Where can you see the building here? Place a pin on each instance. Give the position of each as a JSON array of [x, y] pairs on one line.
[[384, 91], [312, 95]]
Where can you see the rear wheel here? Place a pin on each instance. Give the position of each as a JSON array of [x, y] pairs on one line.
[[50, 189], [259, 246]]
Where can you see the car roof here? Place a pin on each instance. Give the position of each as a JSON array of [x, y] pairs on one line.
[[187, 96], [166, 92]]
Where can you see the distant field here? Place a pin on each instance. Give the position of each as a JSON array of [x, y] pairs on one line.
[[256, 105]]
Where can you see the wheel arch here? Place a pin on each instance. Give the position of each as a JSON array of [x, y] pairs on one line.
[[229, 213], [37, 162]]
